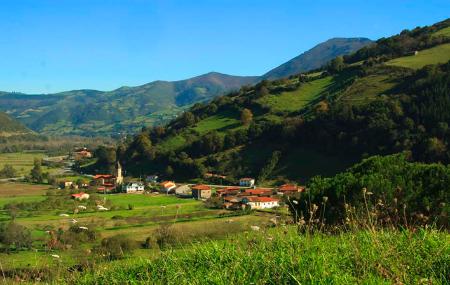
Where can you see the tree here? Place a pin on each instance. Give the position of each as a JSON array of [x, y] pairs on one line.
[[36, 172], [246, 116], [336, 64], [15, 235], [169, 171], [8, 171]]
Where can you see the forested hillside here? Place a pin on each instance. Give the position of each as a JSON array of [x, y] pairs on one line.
[[389, 97], [128, 109]]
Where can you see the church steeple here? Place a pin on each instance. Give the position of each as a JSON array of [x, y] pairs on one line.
[[118, 174]]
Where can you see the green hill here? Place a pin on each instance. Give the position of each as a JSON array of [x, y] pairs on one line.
[[10, 127], [316, 123], [128, 109]]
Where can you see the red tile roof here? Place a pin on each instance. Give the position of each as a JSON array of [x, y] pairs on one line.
[[257, 192], [201, 187], [98, 176], [262, 199], [77, 195]]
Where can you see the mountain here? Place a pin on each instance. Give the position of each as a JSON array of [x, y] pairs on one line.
[[10, 127], [317, 56], [127, 109], [392, 96]]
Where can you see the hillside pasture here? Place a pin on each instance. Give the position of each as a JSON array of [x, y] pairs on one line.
[[219, 122], [435, 55], [366, 89], [296, 100], [443, 32], [22, 161]]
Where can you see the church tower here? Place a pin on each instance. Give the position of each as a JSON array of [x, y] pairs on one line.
[[118, 174]]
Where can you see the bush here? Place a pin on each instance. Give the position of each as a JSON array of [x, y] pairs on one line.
[[116, 247], [15, 235]]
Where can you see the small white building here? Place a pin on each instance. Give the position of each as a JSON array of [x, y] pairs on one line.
[[247, 182], [262, 202], [134, 187], [167, 186]]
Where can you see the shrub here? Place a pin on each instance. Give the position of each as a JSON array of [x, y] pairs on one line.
[[116, 247]]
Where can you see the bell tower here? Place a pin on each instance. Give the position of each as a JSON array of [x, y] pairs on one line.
[[118, 174]]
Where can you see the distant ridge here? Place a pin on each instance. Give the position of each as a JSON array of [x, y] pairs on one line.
[[317, 56]]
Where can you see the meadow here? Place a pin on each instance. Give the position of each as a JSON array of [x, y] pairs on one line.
[[135, 217], [298, 99], [23, 161], [436, 55]]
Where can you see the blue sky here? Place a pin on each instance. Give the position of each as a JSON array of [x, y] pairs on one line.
[[48, 46]]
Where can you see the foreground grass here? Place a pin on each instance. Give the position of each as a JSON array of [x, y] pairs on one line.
[[281, 256]]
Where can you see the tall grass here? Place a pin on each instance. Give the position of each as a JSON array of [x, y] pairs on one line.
[[282, 256]]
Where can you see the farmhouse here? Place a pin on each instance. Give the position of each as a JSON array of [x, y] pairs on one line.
[[228, 191], [201, 192], [288, 189], [65, 184], [261, 202], [167, 186], [233, 203], [80, 196], [82, 153], [247, 182], [257, 192], [134, 187]]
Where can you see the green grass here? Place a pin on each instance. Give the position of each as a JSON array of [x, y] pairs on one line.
[[140, 201], [443, 32], [435, 55], [22, 161], [367, 88], [296, 100], [282, 256], [219, 122]]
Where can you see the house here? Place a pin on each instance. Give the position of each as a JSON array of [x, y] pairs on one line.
[[80, 196], [228, 191], [152, 179], [261, 202], [201, 191], [82, 153], [247, 182], [256, 192], [65, 184], [167, 186], [288, 189], [233, 203], [134, 187]]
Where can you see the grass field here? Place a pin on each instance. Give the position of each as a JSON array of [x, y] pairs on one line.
[[219, 122], [435, 55], [296, 100], [366, 89], [443, 32], [22, 161], [282, 256]]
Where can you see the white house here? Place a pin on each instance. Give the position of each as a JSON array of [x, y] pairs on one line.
[[262, 202], [134, 187], [247, 182]]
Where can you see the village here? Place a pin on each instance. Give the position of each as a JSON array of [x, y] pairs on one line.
[[245, 195]]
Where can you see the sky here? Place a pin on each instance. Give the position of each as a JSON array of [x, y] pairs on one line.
[[48, 46]]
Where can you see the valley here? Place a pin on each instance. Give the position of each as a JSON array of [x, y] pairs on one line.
[[332, 168]]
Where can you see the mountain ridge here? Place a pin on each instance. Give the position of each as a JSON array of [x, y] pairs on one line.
[[128, 108]]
